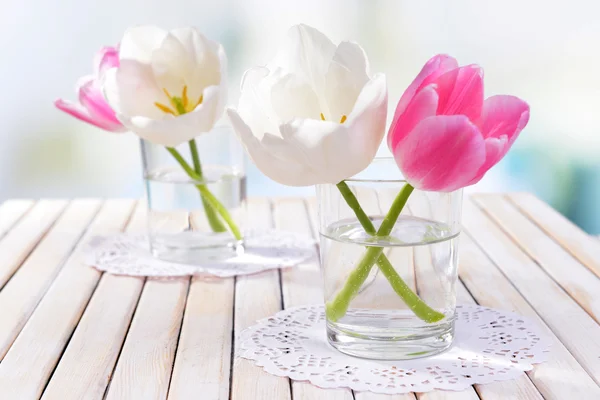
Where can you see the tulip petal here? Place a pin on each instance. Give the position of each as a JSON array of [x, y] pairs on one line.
[[131, 90], [91, 97], [338, 151], [254, 100], [461, 92], [502, 119], [170, 130], [353, 57], [82, 114], [435, 67], [207, 59], [495, 149], [422, 106], [294, 98], [346, 77], [139, 42], [170, 65], [267, 156], [105, 59], [306, 53], [503, 116], [442, 153], [368, 118]]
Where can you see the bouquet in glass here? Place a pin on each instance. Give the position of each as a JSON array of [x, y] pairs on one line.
[[169, 88], [315, 116]]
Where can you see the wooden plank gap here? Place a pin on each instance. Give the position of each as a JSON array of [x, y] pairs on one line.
[[23, 238], [112, 372], [580, 283], [33, 357], [520, 286], [187, 295], [11, 212], [23, 292], [564, 232]]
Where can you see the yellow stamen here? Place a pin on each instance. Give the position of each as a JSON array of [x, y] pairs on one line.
[[164, 108], [322, 117], [184, 97], [180, 105], [343, 119]]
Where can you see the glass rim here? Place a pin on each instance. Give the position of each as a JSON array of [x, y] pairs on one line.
[[377, 160]]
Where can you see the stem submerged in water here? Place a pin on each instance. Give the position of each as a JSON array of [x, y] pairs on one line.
[[211, 215], [207, 196], [338, 307]]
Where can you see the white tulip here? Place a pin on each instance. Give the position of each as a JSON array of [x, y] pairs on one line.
[[170, 86], [313, 115]]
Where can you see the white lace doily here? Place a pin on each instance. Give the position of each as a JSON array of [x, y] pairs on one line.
[[490, 345], [126, 254]]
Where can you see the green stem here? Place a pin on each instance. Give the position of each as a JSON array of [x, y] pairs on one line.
[[211, 215], [363, 218], [206, 194], [338, 307]]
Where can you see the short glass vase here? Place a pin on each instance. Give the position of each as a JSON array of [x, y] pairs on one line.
[[401, 302], [196, 196]]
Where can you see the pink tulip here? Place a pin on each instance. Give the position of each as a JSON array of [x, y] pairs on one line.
[[444, 136], [92, 107]]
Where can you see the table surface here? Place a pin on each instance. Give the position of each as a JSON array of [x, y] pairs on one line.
[[68, 331]]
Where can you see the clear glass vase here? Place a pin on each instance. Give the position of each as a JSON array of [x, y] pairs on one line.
[[388, 296], [195, 213]]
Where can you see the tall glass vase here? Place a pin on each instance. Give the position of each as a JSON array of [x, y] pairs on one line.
[[196, 196], [390, 296]]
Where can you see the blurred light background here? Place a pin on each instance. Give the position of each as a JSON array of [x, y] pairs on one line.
[[543, 51]]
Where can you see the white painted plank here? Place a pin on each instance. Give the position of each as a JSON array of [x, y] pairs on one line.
[[36, 351], [520, 285], [448, 395], [302, 285], [11, 211], [145, 364], [569, 235], [22, 293], [257, 296], [476, 271], [578, 281], [431, 287], [89, 359], [146, 361], [202, 363], [25, 235], [378, 396]]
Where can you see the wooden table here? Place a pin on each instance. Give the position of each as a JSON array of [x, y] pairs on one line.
[[69, 332]]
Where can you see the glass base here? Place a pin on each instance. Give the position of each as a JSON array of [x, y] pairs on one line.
[[391, 344], [195, 247]]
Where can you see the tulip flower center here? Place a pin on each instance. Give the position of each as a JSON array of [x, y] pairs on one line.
[[181, 105], [342, 120]]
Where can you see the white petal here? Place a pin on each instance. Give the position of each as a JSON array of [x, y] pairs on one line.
[[172, 131], [339, 151], [207, 56], [367, 121], [306, 53], [171, 64], [293, 97], [131, 90], [255, 102], [346, 77], [139, 42], [353, 57], [266, 155], [325, 146]]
